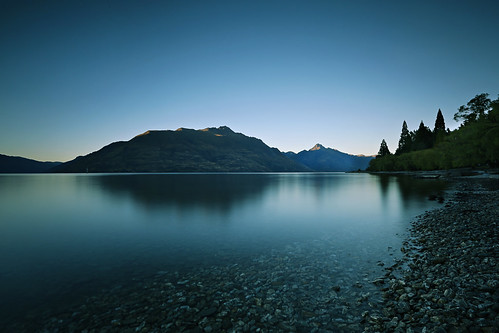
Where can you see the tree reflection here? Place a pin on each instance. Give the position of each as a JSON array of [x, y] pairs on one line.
[[411, 189]]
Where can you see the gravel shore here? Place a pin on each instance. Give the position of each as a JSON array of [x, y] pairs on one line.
[[448, 280]]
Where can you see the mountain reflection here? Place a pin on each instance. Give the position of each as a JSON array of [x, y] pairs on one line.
[[220, 192], [210, 191]]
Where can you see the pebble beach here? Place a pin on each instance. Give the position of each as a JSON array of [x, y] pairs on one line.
[[448, 279]]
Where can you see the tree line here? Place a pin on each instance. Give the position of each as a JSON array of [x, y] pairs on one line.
[[474, 143]]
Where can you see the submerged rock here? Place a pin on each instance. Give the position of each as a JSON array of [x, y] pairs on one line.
[[300, 288]]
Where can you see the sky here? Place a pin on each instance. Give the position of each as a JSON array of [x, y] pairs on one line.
[[78, 75]]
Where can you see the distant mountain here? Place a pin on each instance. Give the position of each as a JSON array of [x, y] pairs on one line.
[[185, 150], [319, 158], [15, 164]]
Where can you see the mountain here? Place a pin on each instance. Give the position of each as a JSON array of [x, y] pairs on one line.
[[185, 150], [319, 158], [15, 164]]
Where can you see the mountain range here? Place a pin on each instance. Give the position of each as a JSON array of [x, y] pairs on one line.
[[16, 164], [185, 150], [320, 158], [188, 150]]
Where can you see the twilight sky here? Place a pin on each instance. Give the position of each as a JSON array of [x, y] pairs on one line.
[[78, 75]]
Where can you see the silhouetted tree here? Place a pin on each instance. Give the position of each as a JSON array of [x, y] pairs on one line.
[[383, 149], [475, 109], [475, 143], [493, 114], [439, 132], [423, 138], [405, 141], [439, 122]]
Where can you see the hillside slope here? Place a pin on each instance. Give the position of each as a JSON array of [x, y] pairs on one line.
[[185, 150], [15, 164], [320, 158]]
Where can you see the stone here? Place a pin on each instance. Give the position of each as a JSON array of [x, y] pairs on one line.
[[207, 312], [392, 324]]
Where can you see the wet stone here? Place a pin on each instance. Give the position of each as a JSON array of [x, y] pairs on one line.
[[300, 288], [207, 312]]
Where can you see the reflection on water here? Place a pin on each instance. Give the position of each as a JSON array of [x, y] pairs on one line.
[[211, 191], [64, 237], [409, 189]]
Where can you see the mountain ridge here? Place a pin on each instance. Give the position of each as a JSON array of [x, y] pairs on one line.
[[17, 164], [320, 158], [185, 150], [212, 149]]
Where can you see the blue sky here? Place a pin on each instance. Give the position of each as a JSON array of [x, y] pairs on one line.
[[78, 75]]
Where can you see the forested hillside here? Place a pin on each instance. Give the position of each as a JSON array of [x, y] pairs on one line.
[[474, 144]]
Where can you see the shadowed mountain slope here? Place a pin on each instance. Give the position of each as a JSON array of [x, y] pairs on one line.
[[15, 164], [320, 158], [185, 150]]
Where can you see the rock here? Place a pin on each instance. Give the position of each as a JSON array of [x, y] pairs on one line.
[[403, 307], [208, 312], [438, 260], [392, 323]]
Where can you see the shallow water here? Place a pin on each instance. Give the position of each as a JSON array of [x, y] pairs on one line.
[[65, 238]]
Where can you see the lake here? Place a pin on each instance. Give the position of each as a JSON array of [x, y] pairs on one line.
[[205, 252]]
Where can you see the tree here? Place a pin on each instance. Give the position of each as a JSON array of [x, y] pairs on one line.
[[423, 138], [383, 149], [475, 109], [439, 132], [439, 122], [493, 114], [405, 141]]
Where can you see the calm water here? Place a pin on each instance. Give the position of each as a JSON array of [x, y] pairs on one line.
[[66, 237]]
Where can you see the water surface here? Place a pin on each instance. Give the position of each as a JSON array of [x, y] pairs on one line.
[[64, 238]]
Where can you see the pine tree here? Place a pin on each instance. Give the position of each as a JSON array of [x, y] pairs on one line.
[[383, 149], [405, 140], [423, 138], [439, 132], [439, 122]]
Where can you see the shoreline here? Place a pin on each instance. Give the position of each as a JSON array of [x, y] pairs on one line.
[[448, 279], [450, 174]]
